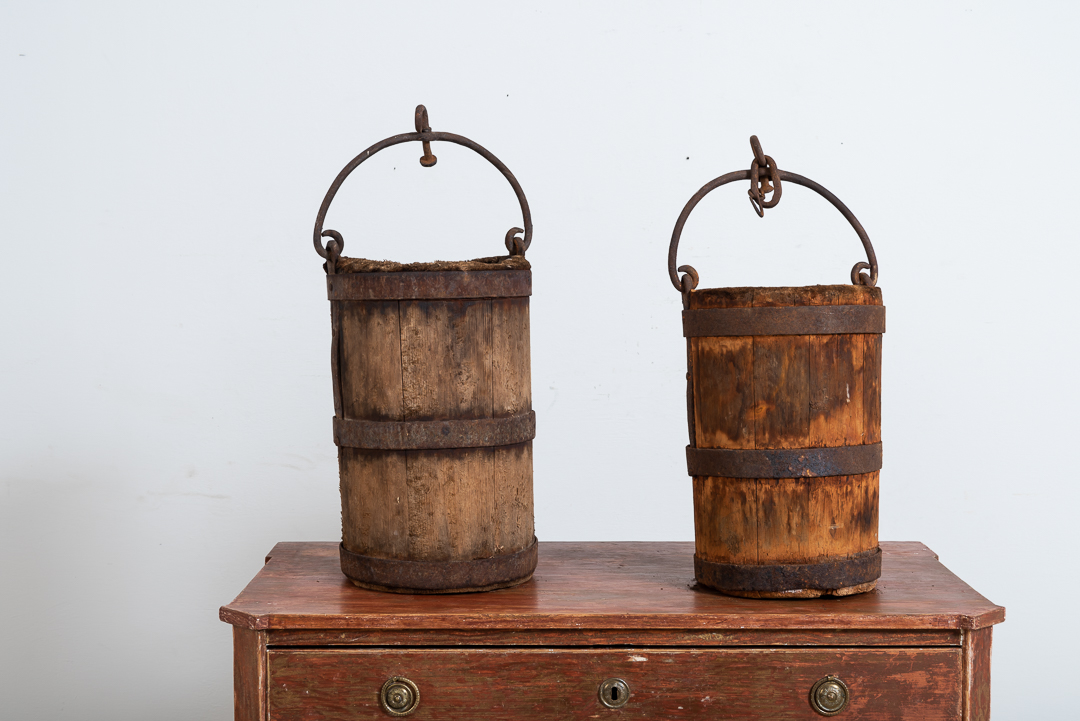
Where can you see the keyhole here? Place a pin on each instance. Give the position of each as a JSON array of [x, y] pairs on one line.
[[614, 693]]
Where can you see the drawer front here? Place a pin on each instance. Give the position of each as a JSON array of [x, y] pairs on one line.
[[563, 684]]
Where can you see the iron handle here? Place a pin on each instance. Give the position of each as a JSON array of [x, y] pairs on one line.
[[399, 696], [829, 696], [332, 250], [690, 276]]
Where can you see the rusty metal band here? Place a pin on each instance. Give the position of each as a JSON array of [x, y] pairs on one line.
[[798, 320], [436, 285], [691, 276], [783, 463], [332, 250], [822, 576], [439, 576], [434, 435]]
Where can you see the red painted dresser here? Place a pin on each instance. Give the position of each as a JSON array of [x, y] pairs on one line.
[[608, 630]]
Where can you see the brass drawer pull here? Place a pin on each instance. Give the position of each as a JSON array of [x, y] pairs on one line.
[[614, 693], [399, 696], [829, 696]]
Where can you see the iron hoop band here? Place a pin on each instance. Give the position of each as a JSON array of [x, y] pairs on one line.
[[430, 285], [826, 575], [792, 320], [783, 462], [435, 435], [404, 576]]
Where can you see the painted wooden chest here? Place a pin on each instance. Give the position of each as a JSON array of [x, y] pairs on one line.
[[609, 630]]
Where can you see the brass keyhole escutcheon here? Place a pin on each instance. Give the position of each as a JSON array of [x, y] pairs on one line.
[[399, 696], [829, 696], [614, 693]]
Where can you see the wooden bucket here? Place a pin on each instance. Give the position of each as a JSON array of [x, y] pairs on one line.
[[784, 413], [433, 409]]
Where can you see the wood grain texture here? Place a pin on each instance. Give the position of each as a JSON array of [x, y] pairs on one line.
[[513, 495], [511, 357], [427, 360], [769, 520], [837, 417], [451, 504], [772, 392], [335, 357], [249, 675], [374, 502], [843, 512], [723, 392], [371, 360], [977, 647], [781, 391], [446, 363], [784, 526], [745, 684], [726, 518], [604, 586], [872, 388]]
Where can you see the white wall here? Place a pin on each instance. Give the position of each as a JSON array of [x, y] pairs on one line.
[[165, 395]]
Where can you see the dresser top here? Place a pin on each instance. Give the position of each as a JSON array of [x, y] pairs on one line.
[[592, 586]]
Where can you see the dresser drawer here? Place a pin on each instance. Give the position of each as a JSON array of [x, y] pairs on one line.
[[563, 684]]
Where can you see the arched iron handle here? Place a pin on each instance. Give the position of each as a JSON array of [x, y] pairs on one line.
[[691, 275], [332, 250]]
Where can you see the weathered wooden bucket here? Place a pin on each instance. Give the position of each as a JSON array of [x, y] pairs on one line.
[[433, 408], [784, 412]]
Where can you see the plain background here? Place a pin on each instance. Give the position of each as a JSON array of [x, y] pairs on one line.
[[165, 396]]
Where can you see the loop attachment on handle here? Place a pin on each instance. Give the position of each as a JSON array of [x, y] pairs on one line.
[[760, 188], [689, 280], [513, 243], [422, 126]]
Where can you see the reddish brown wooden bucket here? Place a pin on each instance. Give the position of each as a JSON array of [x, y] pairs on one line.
[[433, 409], [784, 398]]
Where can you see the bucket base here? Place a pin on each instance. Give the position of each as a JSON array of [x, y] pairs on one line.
[[803, 592], [430, 577], [834, 577], [418, 591]]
